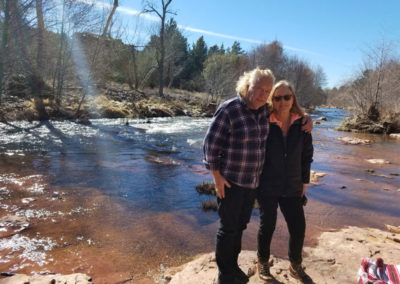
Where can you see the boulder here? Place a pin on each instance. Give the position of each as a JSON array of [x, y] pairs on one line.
[[10, 224], [354, 141], [315, 177], [378, 161]]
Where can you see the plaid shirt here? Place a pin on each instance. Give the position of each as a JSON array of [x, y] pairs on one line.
[[235, 142]]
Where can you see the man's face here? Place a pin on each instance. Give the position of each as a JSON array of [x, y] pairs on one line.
[[258, 94]]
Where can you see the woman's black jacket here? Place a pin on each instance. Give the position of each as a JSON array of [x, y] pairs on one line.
[[286, 168]]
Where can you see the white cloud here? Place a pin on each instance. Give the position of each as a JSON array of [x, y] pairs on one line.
[[218, 34]]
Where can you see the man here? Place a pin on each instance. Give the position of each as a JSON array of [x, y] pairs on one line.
[[234, 150]]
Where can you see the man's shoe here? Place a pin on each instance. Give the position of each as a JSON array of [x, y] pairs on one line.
[[240, 275], [263, 270], [297, 271]]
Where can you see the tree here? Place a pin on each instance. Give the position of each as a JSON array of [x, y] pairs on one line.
[[220, 73], [236, 48], [376, 86], [198, 55], [176, 53], [270, 56], [213, 50], [192, 78], [40, 61], [302, 78], [110, 16], [35, 79], [308, 82], [72, 17], [146, 62], [162, 14], [4, 6]]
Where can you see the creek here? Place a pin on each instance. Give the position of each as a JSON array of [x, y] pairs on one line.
[[113, 199]]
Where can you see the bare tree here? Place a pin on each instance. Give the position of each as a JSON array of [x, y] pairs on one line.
[[4, 6], [373, 88], [35, 79], [162, 14], [220, 70], [115, 6], [269, 56], [40, 60]]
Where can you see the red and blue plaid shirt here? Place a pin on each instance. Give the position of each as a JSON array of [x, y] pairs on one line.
[[235, 142]]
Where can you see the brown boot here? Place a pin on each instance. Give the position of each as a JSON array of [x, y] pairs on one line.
[[297, 271], [263, 271]]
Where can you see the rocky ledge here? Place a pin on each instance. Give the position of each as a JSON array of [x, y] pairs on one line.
[[358, 123], [76, 278], [336, 259]]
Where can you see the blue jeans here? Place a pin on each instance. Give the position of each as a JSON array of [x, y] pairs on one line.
[[234, 211]]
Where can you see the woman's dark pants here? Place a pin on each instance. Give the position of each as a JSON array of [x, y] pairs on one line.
[[234, 211], [292, 210]]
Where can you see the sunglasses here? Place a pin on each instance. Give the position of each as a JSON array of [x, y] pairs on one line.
[[285, 97]]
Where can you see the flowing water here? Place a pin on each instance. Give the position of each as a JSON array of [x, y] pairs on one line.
[[118, 200]]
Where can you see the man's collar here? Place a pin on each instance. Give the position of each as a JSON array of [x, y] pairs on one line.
[[241, 100]]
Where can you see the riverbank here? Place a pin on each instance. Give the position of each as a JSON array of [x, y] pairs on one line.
[[112, 101]]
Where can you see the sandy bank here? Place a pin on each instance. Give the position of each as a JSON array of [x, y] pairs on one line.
[[336, 259]]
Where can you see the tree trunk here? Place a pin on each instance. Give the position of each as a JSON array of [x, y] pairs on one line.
[[162, 57], [4, 47], [135, 68], [115, 6], [162, 15], [35, 80], [38, 74]]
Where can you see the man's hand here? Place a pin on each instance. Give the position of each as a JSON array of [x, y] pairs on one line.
[[220, 183], [307, 123]]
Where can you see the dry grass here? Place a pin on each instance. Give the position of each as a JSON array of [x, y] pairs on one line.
[[209, 205], [111, 108], [207, 188]]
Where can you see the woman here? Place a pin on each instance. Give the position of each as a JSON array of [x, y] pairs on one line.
[[284, 179]]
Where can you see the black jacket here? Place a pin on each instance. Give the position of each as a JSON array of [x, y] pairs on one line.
[[286, 168]]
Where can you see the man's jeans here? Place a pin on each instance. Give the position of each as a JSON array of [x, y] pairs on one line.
[[234, 211]]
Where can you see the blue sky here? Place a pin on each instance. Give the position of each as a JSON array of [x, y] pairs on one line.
[[332, 34]]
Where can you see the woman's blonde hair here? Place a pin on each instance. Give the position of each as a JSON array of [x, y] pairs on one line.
[[252, 78], [295, 107]]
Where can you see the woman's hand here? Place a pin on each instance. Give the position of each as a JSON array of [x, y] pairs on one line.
[[304, 190], [220, 183], [307, 123]]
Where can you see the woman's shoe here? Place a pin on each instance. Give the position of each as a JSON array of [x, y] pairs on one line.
[[263, 270], [297, 271]]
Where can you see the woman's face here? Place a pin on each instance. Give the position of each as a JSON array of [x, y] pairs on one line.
[[282, 100], [258, 94]]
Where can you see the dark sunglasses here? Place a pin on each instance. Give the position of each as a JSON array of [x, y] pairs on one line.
[[285, 97]]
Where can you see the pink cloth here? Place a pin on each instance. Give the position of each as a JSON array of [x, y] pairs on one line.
[[376, 272], [293, 117]]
